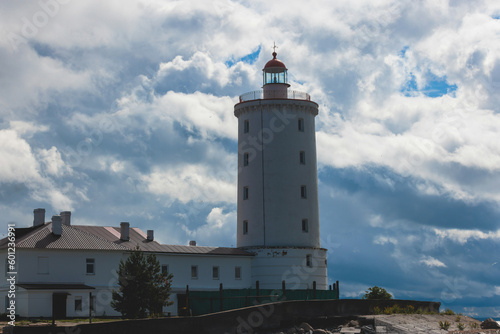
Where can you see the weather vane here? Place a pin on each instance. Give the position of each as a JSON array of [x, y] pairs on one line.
[[274, 47]]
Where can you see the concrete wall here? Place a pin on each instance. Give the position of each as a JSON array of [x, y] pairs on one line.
[[247, 320]]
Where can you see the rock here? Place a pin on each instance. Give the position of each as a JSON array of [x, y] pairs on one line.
[[490, 324], [320, 331], [353, 323], [368, 329], [305, 326], [291, 331]]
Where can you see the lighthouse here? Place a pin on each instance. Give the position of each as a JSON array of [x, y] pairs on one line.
[[278, 215]]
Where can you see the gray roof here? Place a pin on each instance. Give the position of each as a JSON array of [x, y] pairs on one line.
[[71, 238], [86, 237]]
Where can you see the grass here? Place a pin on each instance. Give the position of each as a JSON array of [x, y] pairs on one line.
[[396, 309]]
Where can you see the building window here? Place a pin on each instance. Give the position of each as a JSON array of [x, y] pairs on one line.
[[43, 265], [302, 157], [245, 192], [245, 227], [309, 260], [305, 225], [303, 192], [90, 266], [237, 272], [78, 303], [215, 272], [301, 124], [245, 159], [164, 269], [194, 272], [246, 126]]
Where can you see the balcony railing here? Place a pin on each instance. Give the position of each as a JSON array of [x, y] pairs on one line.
[[289, 94]]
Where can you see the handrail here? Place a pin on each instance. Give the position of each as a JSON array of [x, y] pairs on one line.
[[259, 95]]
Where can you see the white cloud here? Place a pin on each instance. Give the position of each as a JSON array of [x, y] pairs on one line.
[[219, 226], [431, 262], [192, 183], [463, 236], [382, 240], [52, 162]]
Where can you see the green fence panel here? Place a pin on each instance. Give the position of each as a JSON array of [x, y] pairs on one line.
[[204, 302]]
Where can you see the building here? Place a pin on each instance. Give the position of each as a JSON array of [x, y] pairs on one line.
[[61, 267], [67, 270], [278, 215]]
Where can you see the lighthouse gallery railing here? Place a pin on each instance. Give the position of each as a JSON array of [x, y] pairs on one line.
[[289, 94]]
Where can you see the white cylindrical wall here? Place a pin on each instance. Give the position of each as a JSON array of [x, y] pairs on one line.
[[272, 266], [274, 174]]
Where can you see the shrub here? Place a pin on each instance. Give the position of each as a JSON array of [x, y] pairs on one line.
[[444, 325], [461, 326], [377, 293], [448, 312], [473, 325]]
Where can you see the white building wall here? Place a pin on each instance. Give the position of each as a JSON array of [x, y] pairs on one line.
[[70, 267]]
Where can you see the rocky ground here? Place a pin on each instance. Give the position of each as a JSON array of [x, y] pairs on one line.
[[397, 323]]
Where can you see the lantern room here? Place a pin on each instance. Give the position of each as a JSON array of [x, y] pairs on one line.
[[275, 72]]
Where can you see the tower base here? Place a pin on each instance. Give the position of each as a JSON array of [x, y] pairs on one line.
[[299, 267]]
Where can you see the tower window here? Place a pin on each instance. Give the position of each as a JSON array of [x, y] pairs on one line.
[[245, 227], [305, 225], [301, 124], [215, 272], [245, 159], [303, 192], [309, 260], [194, 272], [302, 157], [245, 192], [237, 272], [246, 126]]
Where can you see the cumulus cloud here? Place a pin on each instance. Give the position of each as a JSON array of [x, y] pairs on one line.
[[431, 262], [192, 183], [219, 226], [463, 236], [126, 109]]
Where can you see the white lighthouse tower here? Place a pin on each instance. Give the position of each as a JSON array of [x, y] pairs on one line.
[[278, 217]]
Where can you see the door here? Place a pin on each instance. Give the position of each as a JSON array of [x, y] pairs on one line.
[[59, 305]]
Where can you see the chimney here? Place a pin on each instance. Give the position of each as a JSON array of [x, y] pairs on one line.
[[124, 235], [66, 218], [39, 217], [151, 236], [192, 243], [56, 225]]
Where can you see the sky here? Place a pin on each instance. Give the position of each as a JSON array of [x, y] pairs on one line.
[[123, 111]]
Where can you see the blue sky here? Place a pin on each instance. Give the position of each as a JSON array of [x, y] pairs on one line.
[[123, 111]]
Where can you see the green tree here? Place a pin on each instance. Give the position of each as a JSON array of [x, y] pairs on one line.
[[143, 289], [377, 293]]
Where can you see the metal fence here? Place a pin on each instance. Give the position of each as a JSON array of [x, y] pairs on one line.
[[204, 302], [290, 94]]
